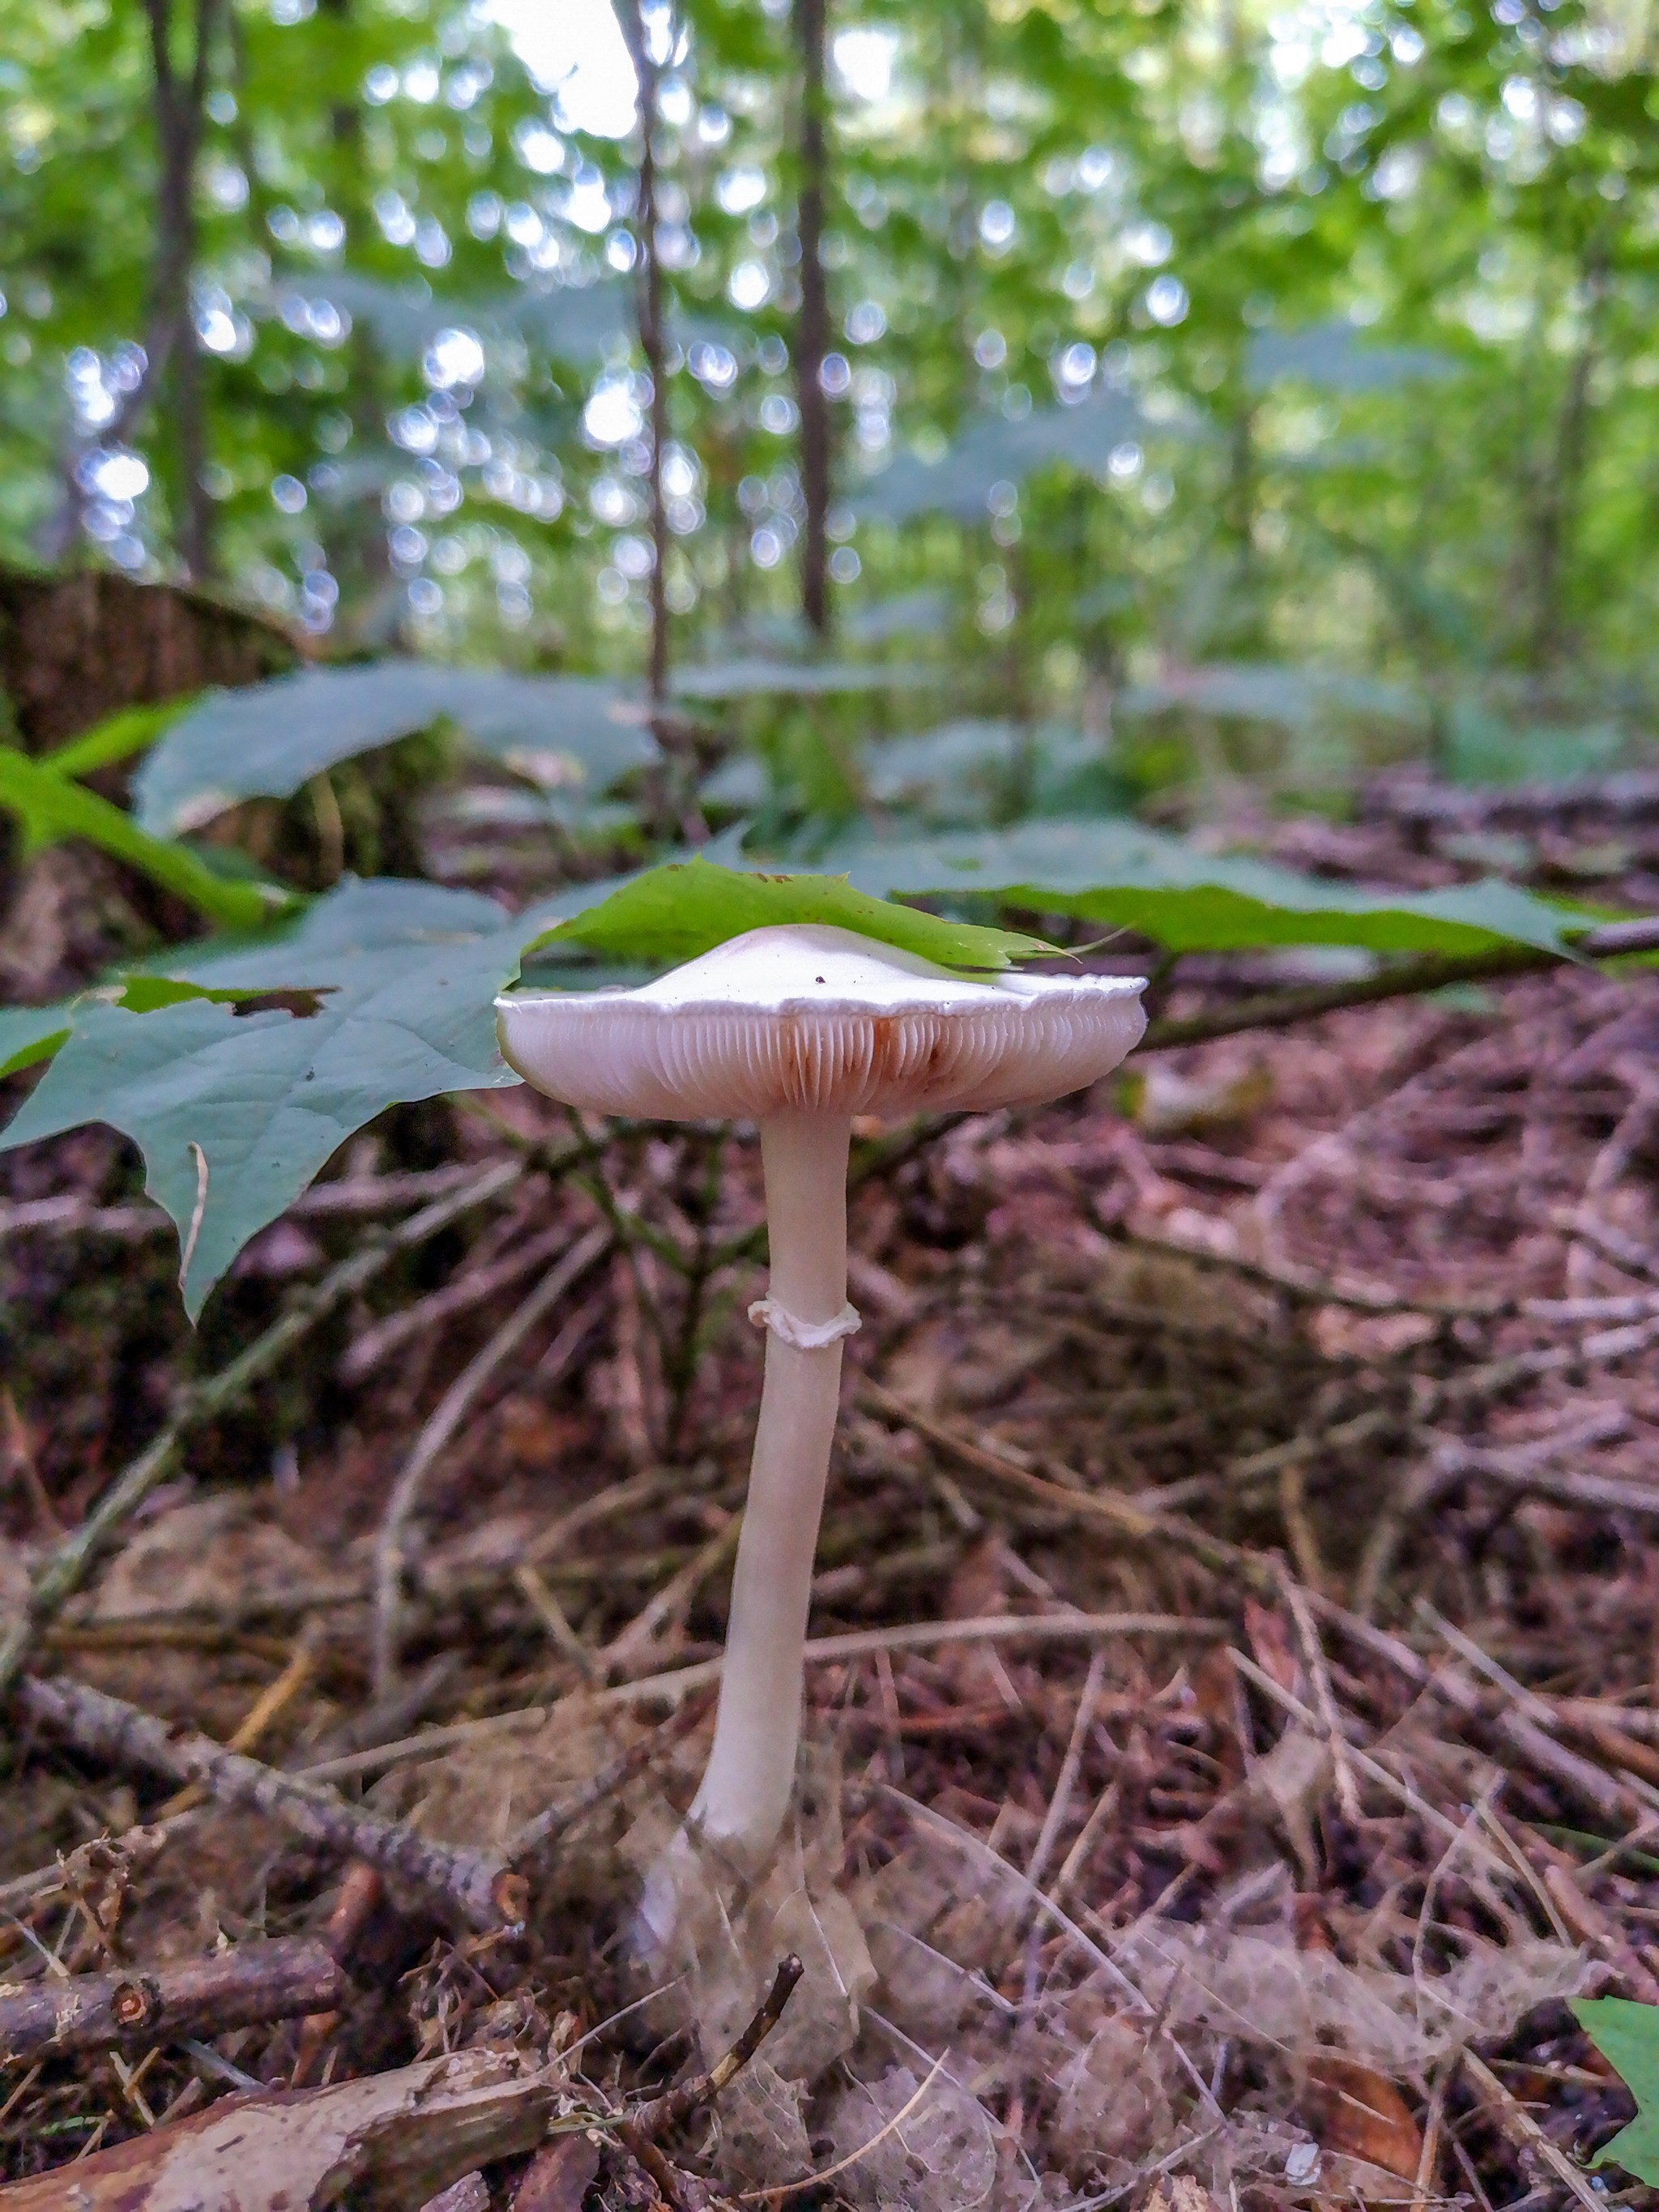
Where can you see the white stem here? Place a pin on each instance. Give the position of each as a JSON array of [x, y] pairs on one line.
[[752, 1769]]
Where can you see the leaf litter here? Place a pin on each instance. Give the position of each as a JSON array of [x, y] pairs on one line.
[[1289, 1910]]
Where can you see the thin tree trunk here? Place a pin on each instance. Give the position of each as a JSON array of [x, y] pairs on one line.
[[178, 107], [195, 528], [653, 343], [812, 325], [177, 104], [1242, 485], [362, 536], [1555, 508]]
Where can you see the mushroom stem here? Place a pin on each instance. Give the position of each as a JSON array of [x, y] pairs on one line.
[[751, 1768]]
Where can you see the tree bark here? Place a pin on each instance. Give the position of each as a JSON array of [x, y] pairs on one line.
[[812, 325]]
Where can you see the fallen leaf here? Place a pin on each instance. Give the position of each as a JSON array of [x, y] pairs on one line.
[[557, 2179], [1358, 2113]]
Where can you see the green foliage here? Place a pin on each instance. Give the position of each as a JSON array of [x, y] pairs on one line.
[[1296, 698], [993, 450], [241, 1109], [1124, 877], [571, 736], [383, 988], [52, 807], [806, 679], [1627, 2036], [1332, 358], [669, 915]]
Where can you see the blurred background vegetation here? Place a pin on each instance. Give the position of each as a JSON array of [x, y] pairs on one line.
[[1105, 402]]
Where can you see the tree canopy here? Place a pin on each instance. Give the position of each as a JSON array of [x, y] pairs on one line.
[[1142, 340]]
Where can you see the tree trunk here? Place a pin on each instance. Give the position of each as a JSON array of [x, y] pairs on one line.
[[1556, 504], [177, 104], [812, 325], [653, 344]]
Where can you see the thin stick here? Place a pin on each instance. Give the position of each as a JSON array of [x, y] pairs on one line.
[[1523, 2131], [267, 1708], [440, 1425], [1524, 1724], [672, 1601], [1319, 1674], [73, 1561], [468, 1290], [477, 1886], [534, 1838], [1081, 1502], [824, 1651], [1404, 979], [1087, 1837], [134, 2008], [665, 2112], [554, 1618], [1429, 2157], [1373, 1769], [638, 1490], [1070, 1767]]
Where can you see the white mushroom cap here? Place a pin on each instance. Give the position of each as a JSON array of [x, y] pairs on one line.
[[821, 1019]]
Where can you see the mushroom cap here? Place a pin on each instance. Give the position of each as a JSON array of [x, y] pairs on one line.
[[820, 1020]]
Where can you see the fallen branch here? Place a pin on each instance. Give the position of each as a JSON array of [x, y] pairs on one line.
[[248, 1987], [395, 2138], [477, 1886], [73, 1559], [1432, 971]]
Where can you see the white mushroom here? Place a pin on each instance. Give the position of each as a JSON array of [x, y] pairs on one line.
[[799, 1028]]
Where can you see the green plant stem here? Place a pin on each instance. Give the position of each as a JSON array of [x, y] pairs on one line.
[[74, 1558]]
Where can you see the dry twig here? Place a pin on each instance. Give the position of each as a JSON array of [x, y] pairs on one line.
[[246, 1987], [477, 1886]]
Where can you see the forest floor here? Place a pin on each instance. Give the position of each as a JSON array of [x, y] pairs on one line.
[[1233, 1711]]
